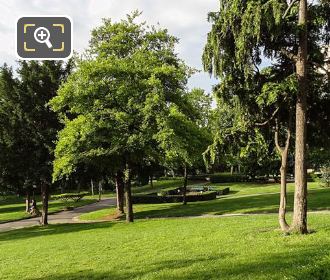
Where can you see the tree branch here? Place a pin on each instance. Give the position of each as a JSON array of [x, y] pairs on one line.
[[278, 147], [289, 8], [271, 117], [288, 54]]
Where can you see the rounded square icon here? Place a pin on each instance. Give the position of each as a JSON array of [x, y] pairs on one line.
[[44, 37]]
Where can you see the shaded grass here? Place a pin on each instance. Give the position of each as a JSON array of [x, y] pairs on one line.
[[205, 248]]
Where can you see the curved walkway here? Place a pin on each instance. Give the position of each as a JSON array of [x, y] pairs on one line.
[[61, 217]]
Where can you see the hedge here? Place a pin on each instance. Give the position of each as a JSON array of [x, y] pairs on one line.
[[169, 191], [69, 196], [226, 178], [173, 198]]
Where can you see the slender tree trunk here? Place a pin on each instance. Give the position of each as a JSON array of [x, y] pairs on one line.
[[44, 197], [231, 170], [299, 223], [151, 180], [27, 201], [185, 182], [100, 190], [283, 170], [120, 192], [92, 187], [128, 195]]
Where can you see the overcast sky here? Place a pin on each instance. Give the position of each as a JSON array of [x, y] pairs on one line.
[[186, 19]]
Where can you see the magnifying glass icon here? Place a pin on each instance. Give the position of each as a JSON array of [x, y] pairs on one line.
[[41, 35]]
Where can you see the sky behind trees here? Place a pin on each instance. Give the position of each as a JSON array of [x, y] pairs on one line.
[[185, 19]]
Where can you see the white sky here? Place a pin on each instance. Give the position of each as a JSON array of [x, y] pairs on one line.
[[186, 19]]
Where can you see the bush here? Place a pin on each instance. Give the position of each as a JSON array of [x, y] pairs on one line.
[[169, 191], [227, 178], [163, 178], [150, 199], [69, 196], [325, 176], [200, 177]]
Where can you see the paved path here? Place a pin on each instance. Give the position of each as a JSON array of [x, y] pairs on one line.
[[61, 217]]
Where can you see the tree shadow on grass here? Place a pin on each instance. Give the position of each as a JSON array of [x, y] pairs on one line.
[[303, 263], [54, 229]]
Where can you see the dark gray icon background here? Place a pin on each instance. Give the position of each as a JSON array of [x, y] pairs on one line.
[[56, 37]]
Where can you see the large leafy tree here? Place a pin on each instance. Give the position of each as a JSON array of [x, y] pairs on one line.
[[116, 101], [245, 31], [30, 130]]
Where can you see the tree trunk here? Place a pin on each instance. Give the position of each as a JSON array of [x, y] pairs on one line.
[[44, 197], [92, 187], [231, 170], [185, 182], [151, 181], [128, 195], [100, 190], [27, 201], [120, 192], [299, 223], [283, 170]]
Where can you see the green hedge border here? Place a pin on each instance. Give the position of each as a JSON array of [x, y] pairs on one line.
[[146, 199]]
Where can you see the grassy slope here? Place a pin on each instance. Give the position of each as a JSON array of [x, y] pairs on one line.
[[14, 209], [245, 198], [203, 248]]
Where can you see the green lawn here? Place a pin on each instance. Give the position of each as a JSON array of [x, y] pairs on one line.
[[14, 208], [245, 198], [202, 248]]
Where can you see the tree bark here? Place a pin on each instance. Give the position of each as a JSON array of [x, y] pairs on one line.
[[120, 192], [151, 180], [44, 197], [100, 190], [128, 195], [299, 223], [283, 170], [92, 187], [185, 182], [27, 201]]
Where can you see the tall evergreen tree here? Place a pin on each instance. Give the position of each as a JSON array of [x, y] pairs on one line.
[[244, 31]]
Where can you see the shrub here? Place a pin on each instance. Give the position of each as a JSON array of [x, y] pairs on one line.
[[163, 178], [227, 178], [325, 176], [169, 191], [200, 177], [69, 196], [173, 198]]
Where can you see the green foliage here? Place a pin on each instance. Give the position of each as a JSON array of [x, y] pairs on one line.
[[325, 176], [227, 177], [28, 127], [69, 196], [119, 97]]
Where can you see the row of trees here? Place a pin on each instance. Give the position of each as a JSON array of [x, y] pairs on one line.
[[124, 106]]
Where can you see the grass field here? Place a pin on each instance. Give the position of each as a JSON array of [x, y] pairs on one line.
[[244, 247], [201, 248], [244, 198], [14, 208]]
